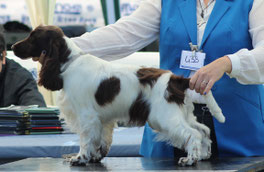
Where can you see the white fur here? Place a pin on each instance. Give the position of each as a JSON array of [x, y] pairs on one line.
[[94, 123]]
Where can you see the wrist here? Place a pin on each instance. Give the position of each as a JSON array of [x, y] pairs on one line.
[[227, 64]]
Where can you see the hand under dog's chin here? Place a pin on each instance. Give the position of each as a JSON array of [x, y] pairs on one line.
[[35, 59], [38, 59]]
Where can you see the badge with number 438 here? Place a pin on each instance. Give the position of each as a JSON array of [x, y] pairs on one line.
[[192, 60]]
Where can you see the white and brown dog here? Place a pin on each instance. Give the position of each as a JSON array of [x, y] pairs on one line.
[[95, 94]]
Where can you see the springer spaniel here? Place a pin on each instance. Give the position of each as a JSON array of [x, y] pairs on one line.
[[95, 94]]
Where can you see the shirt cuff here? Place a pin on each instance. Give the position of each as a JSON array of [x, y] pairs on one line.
[[235, 61]]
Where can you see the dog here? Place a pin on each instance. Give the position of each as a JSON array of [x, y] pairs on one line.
[[95, 94]]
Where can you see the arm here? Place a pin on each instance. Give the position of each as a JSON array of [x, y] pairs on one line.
[[246, 65], [126, 36], [27, 90]]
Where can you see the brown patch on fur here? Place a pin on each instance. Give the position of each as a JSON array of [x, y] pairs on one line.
[[84, 157], [107, 91], [103, 151], [176, 87], [139, 111], [50, 39], [149, 75]]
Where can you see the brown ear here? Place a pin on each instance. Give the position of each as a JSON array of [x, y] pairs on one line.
[[176, 87], [50, 71]]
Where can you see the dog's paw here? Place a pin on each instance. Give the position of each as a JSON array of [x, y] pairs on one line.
[[79, 160], [93, 156], [194, 149], [96, 157], [206, 153], [101, 152], [82, 160], [68, 157], [206, 149], [184, 161]]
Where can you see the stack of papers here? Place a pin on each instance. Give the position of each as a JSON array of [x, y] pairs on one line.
[[30, 120], [14, 122], [44, 121]]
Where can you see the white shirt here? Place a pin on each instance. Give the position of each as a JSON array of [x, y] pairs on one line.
[[131, 33]]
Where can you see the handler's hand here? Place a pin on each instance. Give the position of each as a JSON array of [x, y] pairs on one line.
[[203, 80], [40, 58]]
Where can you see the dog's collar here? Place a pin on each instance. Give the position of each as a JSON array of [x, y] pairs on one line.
[[69, 62]]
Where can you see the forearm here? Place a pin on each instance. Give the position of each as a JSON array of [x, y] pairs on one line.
[[126, 36], [28, 93], [32, 97]]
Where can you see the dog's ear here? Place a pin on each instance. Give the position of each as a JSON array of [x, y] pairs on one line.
[[50, 71], [176, 87]]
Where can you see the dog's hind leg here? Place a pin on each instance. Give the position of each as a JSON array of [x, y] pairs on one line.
[[206, 141], [90, 139], [176, 130], [203, 129]]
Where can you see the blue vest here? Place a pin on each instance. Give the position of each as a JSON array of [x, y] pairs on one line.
[[226, 32]]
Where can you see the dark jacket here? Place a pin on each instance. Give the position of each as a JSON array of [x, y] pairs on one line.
[[18, 87]]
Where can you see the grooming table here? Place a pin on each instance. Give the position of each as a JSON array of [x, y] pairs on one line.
[[136, 164], [126, 143]]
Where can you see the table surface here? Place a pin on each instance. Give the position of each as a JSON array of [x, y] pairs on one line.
[[136, 164]]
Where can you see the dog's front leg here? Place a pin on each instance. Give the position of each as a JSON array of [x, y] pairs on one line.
[[106, 138], [90, 139]]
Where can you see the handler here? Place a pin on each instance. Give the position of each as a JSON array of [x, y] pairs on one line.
[[227, 35]]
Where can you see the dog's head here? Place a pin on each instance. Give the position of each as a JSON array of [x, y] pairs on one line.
[[48, 39]]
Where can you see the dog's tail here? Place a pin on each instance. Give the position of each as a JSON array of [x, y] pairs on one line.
[[214, 108]]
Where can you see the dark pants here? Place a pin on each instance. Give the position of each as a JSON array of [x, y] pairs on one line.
[[203, 116]]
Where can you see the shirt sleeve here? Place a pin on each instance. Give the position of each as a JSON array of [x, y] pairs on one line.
[[248, 65], [128, 35]]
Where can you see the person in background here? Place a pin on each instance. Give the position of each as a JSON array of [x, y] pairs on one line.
[[230, 33], [17, 85]]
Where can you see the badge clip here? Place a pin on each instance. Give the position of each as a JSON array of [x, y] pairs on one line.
[[194, 49]]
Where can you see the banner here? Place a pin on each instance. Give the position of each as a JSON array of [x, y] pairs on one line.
[[128, 6], [67, 12], [81, 12]]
